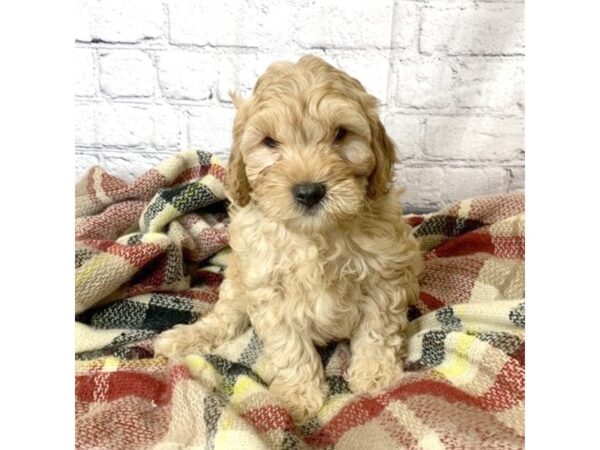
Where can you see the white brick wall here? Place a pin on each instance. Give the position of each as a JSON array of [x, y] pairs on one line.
[[126, 73], [152, 78]]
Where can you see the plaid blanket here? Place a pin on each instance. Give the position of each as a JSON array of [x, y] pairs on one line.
[[150, 254]]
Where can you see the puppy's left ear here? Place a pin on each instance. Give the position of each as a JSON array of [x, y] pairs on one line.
[[237, 182], [238, 186], [384, 150]]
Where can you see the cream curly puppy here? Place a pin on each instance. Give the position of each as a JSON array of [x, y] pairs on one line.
[[320, 251]]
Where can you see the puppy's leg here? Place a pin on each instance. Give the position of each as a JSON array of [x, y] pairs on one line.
[[376, 343], [224, 322], [295, 372]]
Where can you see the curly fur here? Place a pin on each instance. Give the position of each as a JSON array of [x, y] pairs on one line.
[[346, 270]]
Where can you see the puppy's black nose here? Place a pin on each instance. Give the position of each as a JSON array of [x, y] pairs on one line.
[[309, 194]]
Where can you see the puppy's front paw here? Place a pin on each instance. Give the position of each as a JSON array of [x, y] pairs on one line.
[[182, 340], [371, 374], [301, 400]]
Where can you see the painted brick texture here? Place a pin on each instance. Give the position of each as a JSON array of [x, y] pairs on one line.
[[152, 78]]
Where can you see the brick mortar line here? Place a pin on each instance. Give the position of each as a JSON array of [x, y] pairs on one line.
[[151, 149], [159, 100], [235, 49]]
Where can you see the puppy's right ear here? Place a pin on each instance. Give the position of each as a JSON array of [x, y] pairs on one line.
[[238, 186]]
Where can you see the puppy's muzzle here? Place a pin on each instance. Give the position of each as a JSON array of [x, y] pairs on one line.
[[309, 194]]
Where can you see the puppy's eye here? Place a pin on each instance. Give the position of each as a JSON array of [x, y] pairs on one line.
[[340, 134], [270, 142]]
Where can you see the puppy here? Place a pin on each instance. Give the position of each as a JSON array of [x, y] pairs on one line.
[[320, 251]]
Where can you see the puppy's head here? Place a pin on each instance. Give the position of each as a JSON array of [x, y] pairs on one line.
[[308, 147]]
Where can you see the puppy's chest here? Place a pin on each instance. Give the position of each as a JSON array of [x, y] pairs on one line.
[[321, 292], [325, 299]]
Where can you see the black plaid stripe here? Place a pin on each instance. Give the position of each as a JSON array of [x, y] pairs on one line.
[[190, 196], [203, 158], [213, 407], [82, 255], [160, 313], [120, 314], [337, 385], [433, 347], [172, 301], [135, 239], [174, 264], [433, 351], [231, 370], [449, 226], [310, 427], [291, 441], [156, 206], [165, 312], [251, 352], [448, 319], [508, 343], [517, 315]]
